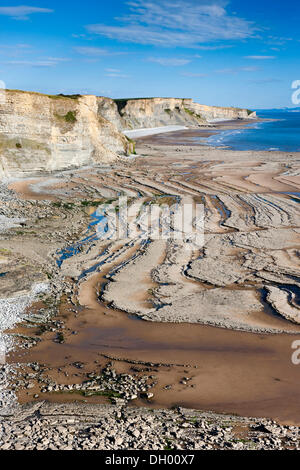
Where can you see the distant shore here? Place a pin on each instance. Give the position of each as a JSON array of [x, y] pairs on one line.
[[186, 136]]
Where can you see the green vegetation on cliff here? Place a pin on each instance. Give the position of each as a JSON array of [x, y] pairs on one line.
[[69, 117], [192, 113]]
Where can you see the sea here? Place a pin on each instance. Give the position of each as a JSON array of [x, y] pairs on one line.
[[281, 131]]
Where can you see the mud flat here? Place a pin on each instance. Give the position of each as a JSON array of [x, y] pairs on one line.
[[211, 328]]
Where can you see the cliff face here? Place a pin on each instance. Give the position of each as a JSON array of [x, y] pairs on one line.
[[156, 112], [40, 132], [108, 109], [216, 112]]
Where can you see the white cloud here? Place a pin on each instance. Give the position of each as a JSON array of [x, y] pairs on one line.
[[183, 23], [22, 12], [173, 62], [260, 57]]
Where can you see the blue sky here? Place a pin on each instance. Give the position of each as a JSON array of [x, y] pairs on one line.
[[228, 53]]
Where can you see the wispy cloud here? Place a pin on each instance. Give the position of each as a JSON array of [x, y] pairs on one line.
[[249, 69], [113, 70], [260, 57], [194, 75], [263, 81], [115, 73], [47, 62], [4, 47], [91, 51], [22, 12], [78, 36], [14, 50], [166, 62], [58, 59], [96, 51], [234, 70], [183, 23], [214, 48], [277, 40]]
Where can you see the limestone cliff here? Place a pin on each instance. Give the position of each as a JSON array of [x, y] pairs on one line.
[[51, 132], [155, 112], [217, 112], [46, 133]]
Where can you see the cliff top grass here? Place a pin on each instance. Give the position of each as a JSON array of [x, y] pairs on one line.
[[120, 102], [54, 97], [249, 111]]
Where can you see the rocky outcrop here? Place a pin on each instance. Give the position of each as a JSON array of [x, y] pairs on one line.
[[46, 133], [108, 109]]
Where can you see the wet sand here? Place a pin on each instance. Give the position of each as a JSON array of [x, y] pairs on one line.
[[192, 136]]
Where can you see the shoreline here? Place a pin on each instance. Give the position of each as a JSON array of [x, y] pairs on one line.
[[187, 136]]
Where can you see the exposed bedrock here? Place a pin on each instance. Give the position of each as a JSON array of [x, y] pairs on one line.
[[284, 302], [130, 286], [219, 307], [221, 284], [238, 257]]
